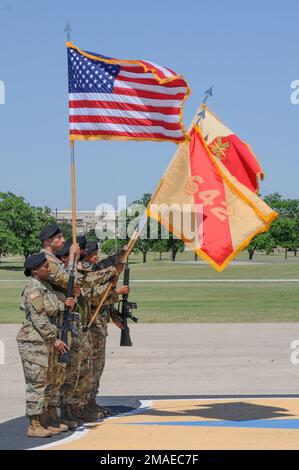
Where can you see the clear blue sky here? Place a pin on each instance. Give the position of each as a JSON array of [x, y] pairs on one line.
[[247, 50]]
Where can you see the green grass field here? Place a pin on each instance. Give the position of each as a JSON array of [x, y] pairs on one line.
[[191, 301]]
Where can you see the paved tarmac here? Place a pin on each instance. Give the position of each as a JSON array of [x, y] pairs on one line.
[[167, 360]]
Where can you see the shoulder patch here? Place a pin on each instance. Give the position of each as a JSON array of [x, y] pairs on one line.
[[37, 303], [34, 294], [54, 267]]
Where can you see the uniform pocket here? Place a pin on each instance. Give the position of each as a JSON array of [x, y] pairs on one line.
[[29, 334], [51, 304], [34, 353], [34, 373]]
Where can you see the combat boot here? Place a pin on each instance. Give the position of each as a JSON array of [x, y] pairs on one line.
[[99, 414], [36, 429], [54, 419], [93, 406], [83, 414], [45, 422], [105, 411], [67, 418]]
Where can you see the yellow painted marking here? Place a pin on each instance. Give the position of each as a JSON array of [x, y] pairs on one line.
[[114, 434]]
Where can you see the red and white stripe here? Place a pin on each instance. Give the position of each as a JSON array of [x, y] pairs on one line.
[[142, 106]]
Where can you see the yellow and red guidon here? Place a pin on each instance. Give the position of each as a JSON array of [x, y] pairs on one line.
[[232, 213], [225, 213], [236, 155]]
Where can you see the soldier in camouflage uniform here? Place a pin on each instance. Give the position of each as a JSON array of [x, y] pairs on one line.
[[38, 342], [78, 373], [93, 285], [53, 240], [79, 369], [99, 328], [64, 374]]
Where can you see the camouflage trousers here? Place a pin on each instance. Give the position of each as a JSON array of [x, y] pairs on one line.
[[85, 373], [98, 345], [35, 361], [72, 371], [56, 378]]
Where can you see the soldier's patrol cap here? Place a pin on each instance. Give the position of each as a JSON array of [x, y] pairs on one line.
[[81, 239], [49, 231], [65, 250], [33, 261], [91, 246]]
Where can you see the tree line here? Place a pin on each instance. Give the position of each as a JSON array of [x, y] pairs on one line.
[[21, 222], [284, 231]]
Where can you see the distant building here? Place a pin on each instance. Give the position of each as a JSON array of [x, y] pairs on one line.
[[85, 220]]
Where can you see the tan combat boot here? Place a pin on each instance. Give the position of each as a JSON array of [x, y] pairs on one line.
[[45, 422], [36, 429], [55, 421]]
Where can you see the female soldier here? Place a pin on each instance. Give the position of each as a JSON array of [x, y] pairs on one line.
[[37, 340]]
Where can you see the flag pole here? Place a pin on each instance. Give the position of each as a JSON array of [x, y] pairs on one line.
[[200, 114], [68, 31], [73, 184], [133, 240], [136, 234]]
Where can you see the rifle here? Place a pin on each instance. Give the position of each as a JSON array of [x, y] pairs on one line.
[[68, 329], [111, 260], [125, 311]]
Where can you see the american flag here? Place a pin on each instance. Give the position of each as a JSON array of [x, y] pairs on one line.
[[123, 99]]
